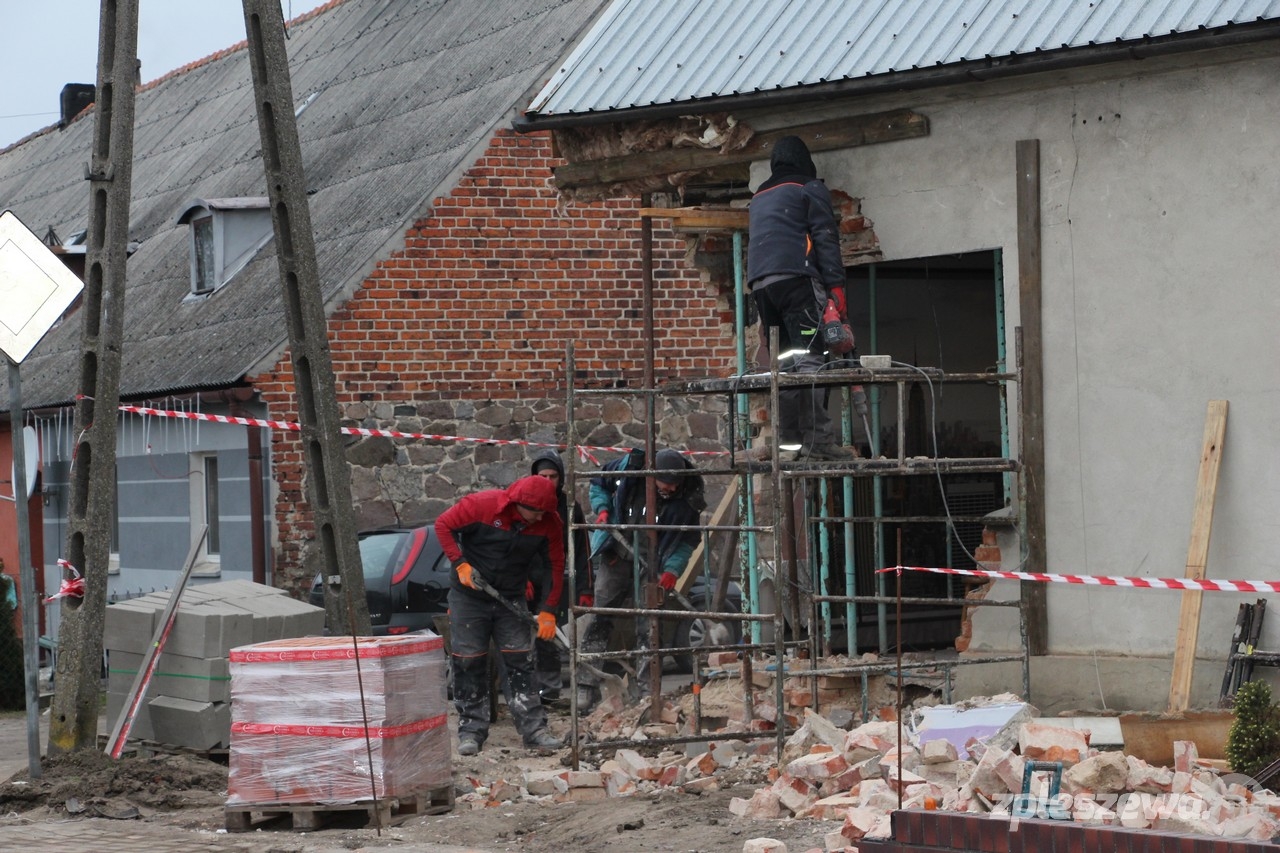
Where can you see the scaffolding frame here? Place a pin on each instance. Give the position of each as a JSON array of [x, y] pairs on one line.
[[783, 478]]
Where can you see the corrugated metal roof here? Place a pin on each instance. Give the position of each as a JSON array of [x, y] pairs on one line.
[[406, 93], [654, 52]]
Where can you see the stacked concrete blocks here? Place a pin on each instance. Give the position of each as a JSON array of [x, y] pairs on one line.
[[188, 700], [330, 720]]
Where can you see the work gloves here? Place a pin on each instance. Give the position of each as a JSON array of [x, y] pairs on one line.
[[546, 625], [586, 600], [603, 517], [667, 580], [464, 574]]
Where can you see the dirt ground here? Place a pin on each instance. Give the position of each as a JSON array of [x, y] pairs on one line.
[[188, 793]]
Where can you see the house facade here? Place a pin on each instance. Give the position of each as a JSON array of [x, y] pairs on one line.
[[455, 280]]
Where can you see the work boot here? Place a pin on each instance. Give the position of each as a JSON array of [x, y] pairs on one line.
[[468, 745], [830, 453], [587, 699], [544, 740]]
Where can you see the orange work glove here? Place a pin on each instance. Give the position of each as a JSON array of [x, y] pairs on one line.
[[603, 517], [546, 625], [667, 581], [464, 574]]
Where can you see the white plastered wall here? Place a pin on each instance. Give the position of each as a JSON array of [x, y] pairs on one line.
[[1160, 188]]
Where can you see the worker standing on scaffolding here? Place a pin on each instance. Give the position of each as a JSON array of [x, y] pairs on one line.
[[794, 270]]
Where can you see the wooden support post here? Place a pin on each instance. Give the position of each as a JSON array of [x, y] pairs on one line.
[[1184, 655], [1031, 393]]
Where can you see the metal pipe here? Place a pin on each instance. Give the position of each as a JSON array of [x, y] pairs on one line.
[[26, 572]]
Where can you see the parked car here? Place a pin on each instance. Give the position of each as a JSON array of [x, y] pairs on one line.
[[406, 579]]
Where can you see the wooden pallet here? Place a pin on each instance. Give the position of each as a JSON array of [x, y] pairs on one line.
[[306, 817]]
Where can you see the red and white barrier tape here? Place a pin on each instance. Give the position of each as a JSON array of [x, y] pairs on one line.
[[1205, 585], [73, 585], [584, 451]]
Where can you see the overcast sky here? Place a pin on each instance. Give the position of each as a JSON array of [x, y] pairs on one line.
[[45, 45]]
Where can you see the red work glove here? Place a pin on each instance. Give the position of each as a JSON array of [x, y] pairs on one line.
[[603, 517], [464, 574], [836, 295], [586, 600], [667, 581], [528, 591], [546, 625]]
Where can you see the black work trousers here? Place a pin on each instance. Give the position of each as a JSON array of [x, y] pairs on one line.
[[794, 306], [473, 624]]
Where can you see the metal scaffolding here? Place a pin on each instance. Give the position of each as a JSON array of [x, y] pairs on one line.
[[797, 601]]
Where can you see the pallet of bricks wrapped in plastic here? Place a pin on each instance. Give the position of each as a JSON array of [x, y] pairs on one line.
[[329, 724]]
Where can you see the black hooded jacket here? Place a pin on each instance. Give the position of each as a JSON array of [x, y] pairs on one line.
[[793, 230], [582, 579]]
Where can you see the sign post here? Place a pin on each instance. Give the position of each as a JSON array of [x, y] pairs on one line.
[[35, 289]]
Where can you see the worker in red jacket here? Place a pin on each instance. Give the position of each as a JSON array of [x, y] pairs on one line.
[[512, 538]]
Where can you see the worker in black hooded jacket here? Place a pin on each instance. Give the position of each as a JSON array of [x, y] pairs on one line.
[[793, 269], [549, 465], [621, 500]]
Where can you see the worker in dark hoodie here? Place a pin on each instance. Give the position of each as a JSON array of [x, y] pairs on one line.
[[546, 653], [793, 269], [621, 500], [511, 538]]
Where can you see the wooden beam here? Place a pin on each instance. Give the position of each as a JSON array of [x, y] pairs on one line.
[[700, 217], [821, 136], [1034, 595], [1184, 655], [717, 518]]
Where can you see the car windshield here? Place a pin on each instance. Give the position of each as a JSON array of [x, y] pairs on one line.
[[376, 551]]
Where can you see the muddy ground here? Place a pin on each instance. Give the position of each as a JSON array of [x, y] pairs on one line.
[[188, 793]]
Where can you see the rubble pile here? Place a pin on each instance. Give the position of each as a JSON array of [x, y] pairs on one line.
[[966, 758]]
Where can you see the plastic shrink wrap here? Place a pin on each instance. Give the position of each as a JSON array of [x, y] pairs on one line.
[[298, 731]]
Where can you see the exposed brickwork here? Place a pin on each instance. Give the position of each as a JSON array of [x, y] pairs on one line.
[[463, 331]]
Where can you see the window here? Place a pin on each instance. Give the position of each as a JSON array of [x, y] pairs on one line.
[[202, 253], [205, 513], [113, 561], [225, 235]]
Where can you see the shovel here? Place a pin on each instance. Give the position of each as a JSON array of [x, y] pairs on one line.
[[717, 632], [610, 684]]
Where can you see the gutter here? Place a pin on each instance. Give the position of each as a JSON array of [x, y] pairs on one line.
[[982, 71]]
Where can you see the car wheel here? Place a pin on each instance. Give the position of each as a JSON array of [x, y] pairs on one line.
[[700, 632]]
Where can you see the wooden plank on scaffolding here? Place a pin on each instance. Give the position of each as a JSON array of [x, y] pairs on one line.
[[695, 559], [1184, 655]]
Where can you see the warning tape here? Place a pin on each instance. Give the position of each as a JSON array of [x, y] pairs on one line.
[[1205, 585], [583, 450]]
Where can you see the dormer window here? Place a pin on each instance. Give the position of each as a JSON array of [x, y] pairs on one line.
[[225, 234]]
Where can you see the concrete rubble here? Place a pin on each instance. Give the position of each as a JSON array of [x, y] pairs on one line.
[[854, 776]]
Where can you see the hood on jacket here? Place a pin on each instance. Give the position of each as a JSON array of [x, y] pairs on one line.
[[548, 458], [536, 492], [791, 157], [669, 460]]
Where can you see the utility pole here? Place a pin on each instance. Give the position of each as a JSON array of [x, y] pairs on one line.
[[73, 721], [328, 478]]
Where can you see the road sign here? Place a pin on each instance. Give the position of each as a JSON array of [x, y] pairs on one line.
[[35, 288]]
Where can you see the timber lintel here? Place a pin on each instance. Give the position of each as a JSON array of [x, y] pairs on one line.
[[821, 136]]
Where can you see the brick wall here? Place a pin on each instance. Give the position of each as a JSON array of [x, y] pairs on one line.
[[935, 832], [463, 331]]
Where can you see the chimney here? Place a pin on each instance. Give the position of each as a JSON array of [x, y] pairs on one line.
[[75, 97]]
